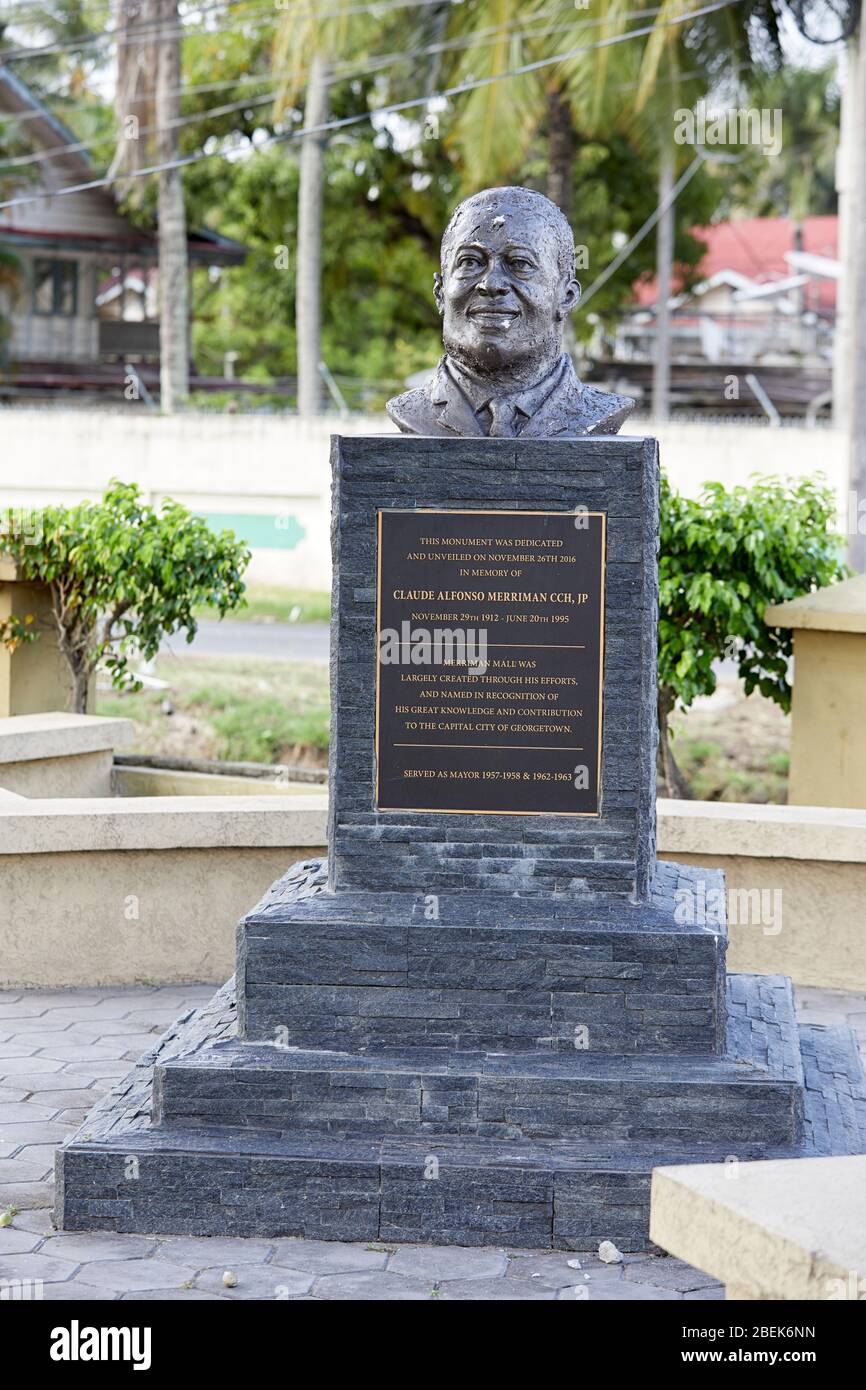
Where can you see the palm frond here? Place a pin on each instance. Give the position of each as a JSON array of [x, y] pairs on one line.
[[495, 122], [665, 39], [304, 33]]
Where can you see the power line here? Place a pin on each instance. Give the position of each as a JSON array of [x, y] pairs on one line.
[[158, 29], [643, 231], [392, 109], [374, 64], [493, 32], [701, 157], [265, 16], [346, 70], [79, 147], [341, 72], [479, 38], [65, 107]]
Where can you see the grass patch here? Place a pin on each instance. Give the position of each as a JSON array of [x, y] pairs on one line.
[[731, 747], [250, 710], [261, 729], [279, 606]]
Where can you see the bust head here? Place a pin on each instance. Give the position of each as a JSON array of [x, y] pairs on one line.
[[507, 284]]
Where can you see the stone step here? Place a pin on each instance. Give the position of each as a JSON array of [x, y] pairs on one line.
[[119, 1172], [364, 972], [443, 1189], [755, 1090]]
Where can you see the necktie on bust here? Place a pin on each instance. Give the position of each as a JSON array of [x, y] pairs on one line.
[[501, 419]]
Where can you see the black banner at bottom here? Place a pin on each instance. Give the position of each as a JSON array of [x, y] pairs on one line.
[[634, 1334]]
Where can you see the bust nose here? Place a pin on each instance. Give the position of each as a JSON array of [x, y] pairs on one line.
[[493, 281]]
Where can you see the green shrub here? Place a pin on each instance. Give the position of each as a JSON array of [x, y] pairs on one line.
[[121, 576], [724, 557]]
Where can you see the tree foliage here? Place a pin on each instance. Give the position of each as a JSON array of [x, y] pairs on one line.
[[724, 557], [389, 192], [800, 181], [121, 576], [379, 253]]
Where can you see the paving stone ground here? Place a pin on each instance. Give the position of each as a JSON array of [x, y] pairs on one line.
[[61, 1050]]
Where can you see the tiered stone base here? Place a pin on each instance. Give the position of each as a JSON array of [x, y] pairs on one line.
[[398, 1079]]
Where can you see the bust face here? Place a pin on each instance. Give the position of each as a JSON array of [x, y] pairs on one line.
[[504, 294]]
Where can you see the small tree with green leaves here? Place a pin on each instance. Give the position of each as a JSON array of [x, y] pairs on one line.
[[121, 576], [723, 558]]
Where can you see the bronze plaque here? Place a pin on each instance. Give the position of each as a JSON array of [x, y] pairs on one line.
[[490, 653]]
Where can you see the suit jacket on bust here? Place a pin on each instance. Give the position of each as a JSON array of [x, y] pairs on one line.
[[567, 409]]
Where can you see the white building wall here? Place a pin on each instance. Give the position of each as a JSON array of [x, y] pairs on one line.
[[273, 474]]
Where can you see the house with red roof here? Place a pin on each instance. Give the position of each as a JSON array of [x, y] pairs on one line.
[[765, 294]]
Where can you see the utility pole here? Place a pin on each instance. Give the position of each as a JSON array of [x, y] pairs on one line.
[[173, 267], [846, 190], [308, 274], [664, 270], [855, 509]]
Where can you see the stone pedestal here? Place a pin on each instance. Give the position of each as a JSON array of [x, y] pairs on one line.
[[474, 1025]]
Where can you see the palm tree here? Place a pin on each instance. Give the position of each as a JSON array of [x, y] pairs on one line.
[[148, 96], [677, 63], [801, 179], [857, 377], [493, 125], [173, 259]]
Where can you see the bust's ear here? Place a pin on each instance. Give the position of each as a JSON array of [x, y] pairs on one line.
[[569, 298], [437, 293]]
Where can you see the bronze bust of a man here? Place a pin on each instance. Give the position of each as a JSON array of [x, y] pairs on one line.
[[505, 290]]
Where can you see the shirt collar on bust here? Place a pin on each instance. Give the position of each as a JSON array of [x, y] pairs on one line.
[[477, 391]]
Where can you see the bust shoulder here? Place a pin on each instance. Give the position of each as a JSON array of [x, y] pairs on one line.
[[410, 412], [574, 409], [604, 412]]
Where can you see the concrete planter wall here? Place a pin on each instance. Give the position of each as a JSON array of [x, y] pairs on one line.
[[787, 1229], [828, 736], [140, 874], [796, 880], [60, 755], [135, 780], [108, 891], [36, 677], [119, 875], [116, 892]]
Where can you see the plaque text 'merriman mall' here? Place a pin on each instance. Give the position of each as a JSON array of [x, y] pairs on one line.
[[490, 631]]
